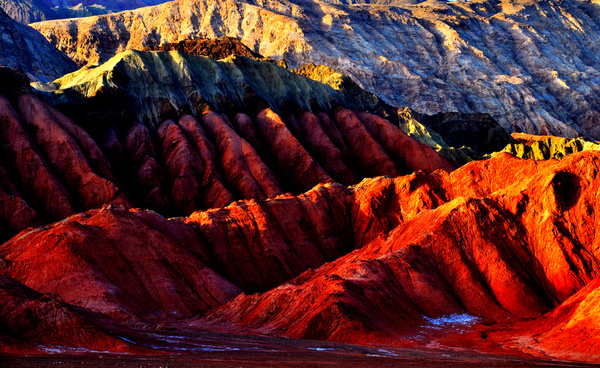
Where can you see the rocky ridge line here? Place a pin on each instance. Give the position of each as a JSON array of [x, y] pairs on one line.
[[494, 56]]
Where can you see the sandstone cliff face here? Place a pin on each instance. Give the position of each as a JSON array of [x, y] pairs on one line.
[[23, 48], [492, 56]]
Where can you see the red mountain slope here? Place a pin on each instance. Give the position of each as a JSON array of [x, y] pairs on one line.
[[53, 168], [516, 252], [513, 244]]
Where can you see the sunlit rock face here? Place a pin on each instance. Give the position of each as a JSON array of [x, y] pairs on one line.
[[493, 239], [498, 57], [153, 85], [547, 147], [172, 192], [504, 247]]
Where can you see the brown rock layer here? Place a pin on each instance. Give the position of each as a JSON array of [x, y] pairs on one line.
[[217, 49]]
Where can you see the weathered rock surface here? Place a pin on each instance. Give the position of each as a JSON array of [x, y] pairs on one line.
[[216, 49], [567, 332], [132, 264], [121, 263], [490, 56], [27, 11], [30, 11], [53, 168], [24, 49], [220, 48], [154, 86]]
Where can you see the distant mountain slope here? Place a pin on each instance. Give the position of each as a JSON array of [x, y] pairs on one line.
[[25, 49], [30, 11], [27, 11], [533, 65], [107, 4]]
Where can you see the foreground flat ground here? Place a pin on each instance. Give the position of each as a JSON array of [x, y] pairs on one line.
[[225, 350]]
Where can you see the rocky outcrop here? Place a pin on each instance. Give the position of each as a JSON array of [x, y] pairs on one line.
[[216, 49], [220, 48], [122, 262], [507, 242], [259, 245], [147, 269], [496, 57], [546, 147], [24, 49], [155, 86]]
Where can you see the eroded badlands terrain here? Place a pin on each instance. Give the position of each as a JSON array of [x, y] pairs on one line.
[[168, 207]]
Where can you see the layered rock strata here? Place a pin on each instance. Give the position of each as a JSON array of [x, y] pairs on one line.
[[500, 241], [54, 168], [489, 56]]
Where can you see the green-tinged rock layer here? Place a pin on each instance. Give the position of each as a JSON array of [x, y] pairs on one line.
[[550, 148], [154, 85], [459, 137]]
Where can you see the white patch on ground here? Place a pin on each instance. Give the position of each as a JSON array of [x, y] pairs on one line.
[[459, 319], [387, 352], [67, 349]]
